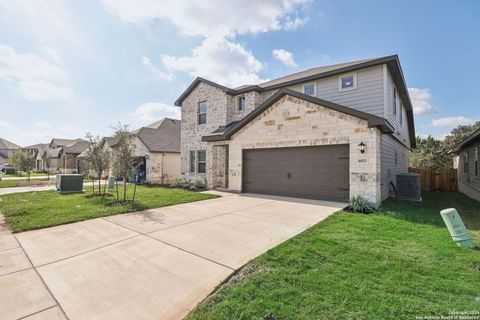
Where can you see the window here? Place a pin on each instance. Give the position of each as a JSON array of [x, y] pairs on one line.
[[192, 161], [202, 112], [347, 82], [401, 112], [201, 161], [241, 103], [465, 162], [476, 160], [309, 89], [394, 101]]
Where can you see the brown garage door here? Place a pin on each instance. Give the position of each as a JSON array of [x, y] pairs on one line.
[[305, 172]]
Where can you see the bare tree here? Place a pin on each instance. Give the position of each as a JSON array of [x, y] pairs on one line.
[[123, 156], [97, 159]]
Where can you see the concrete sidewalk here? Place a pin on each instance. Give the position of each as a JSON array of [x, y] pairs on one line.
[[154, 264]]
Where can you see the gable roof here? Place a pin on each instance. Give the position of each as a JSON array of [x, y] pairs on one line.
[[64, 142], [5, 144], [77, 147], [165, 138], [225, 133], [392, 62], [474, 137]]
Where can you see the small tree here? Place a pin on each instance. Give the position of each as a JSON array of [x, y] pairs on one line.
[[46, 162], [97, 159], [23, 162], [123, 156]]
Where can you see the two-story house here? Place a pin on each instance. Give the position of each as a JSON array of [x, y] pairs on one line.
[[330, 132]]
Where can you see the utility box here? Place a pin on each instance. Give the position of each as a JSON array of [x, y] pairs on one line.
[[69, 183], [409, 187], [111, 182], [457, 229]]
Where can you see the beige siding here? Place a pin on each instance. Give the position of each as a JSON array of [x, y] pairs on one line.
[[391, 149], [469, 182], [367, 97], [401, 128], [163, 168]]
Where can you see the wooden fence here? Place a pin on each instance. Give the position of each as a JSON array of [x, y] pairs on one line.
[[437, 180]]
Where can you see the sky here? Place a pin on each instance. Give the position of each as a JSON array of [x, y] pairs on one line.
[[71, 67]]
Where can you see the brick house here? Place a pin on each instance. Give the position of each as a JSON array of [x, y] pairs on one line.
[[330, 132]]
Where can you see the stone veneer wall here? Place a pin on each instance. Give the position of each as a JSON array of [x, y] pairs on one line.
[[192, 132], [294, 122]]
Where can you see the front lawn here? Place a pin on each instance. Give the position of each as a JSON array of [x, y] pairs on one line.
[[34, 210], [356, 266], [23, 174]]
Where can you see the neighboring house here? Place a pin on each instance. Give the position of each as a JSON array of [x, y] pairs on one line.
[[63, 154], [301, 135], [466, 155], [7, 149], [35, 152], [157, 151]]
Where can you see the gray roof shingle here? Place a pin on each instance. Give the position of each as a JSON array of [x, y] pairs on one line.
[[5, 144], [166, 138]]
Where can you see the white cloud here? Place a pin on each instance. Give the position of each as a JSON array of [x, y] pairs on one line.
[[169, 76], [285, 57], [39, 90], [220, 60], [154, 111], [421, 100], [41, 21], [214, 18], [33, 77], [4, 124], [451, 121]]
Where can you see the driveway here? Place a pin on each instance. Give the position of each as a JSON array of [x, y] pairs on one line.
[[154, 264]]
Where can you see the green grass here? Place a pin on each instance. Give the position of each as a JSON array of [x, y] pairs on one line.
[[23, 183], [22, 174], [34, 210], [397, 264]]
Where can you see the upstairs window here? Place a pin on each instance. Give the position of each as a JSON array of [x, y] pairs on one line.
[[309, 89], [192, 161], [241, 103], [394, 101], [202, 161], [347, 82], [401, 112], [202, 112]]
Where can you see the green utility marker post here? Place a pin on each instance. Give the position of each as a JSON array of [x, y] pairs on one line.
[[456, 227]]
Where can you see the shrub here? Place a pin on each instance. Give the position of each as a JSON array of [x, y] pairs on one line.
[[201, 183], [359, 204], [193, 188]]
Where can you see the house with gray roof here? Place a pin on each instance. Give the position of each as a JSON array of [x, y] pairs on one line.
[[157, 152], [331, 132], [467, 153], [7, 149], [62, 155]]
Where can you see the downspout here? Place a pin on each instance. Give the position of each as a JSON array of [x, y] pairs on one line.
[[163, 163]]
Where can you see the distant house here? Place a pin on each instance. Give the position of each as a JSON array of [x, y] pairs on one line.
[[157, 152], [466, 160], [7, 149], [63, 154], [36, 152]]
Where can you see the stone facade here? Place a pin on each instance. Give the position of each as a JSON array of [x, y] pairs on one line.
[[293, 122]]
